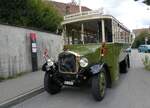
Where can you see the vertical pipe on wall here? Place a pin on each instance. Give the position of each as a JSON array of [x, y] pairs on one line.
[[34, 51]]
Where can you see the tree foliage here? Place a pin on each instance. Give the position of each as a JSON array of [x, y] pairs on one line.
[[30, 13], [146, 2], [139, 40]]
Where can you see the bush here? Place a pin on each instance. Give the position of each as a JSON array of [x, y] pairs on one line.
[[146, 62], [139, 40], [30, 13]]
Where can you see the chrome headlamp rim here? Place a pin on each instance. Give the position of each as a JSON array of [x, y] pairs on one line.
[[83, 62], [50, 62]]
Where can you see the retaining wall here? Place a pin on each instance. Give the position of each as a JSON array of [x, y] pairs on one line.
[[15, 49]]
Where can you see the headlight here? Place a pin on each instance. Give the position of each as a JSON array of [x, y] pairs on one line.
[[50, 62], [83, 62]]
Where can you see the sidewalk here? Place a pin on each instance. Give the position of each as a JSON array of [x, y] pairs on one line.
[[10, 89]]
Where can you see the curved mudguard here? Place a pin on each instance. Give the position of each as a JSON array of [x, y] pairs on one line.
[[95, 69], [44, 67]]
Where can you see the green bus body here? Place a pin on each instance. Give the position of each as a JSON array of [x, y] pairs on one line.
[[101, 28], [92, 53]]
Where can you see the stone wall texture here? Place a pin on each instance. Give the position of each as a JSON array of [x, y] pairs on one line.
[[15, 49]]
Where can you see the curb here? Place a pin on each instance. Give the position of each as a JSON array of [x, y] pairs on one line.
[[22, 97]]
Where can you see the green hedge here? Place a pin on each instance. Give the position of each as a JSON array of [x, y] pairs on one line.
[[30, 13], [146, 62]]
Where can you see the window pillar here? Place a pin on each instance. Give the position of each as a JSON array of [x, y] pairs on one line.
[[82, 33], [64, 34], [103, 30]]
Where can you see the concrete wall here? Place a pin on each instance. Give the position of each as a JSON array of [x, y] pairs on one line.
[[15, 49]]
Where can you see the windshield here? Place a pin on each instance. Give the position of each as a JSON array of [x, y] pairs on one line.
[[88, 32]]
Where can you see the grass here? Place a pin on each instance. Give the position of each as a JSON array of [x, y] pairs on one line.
[[146, 62]]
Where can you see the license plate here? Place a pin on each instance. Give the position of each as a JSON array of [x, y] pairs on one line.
[[68, 82]]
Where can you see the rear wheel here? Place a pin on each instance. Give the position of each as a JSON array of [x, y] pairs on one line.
[[128, 61], [50, 85], [124, 65], [99, 85]]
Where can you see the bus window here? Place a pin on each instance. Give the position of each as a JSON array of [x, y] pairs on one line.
[[90, 38], [108, 30], [92, 33]]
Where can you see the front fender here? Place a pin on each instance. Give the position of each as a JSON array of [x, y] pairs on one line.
[[44, 67], [51, 69], [95, 69]]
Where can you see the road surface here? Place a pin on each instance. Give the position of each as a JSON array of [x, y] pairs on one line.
[[131, 91]]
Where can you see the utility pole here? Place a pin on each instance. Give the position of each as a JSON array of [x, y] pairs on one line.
[[74, 2], [82, 26], [80, 7], [146, 39]]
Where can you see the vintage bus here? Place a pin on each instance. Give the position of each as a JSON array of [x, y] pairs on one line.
[[95, 50]]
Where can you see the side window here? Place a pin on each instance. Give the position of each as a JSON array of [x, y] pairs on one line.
[[108, 30], [120, 34]]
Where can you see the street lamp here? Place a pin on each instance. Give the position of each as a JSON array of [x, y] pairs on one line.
[[80, 7]]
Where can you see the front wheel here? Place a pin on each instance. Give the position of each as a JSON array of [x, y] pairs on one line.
[[99, 85], [50, 85]]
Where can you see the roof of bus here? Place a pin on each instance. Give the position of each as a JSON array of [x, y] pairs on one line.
[[85, 16]]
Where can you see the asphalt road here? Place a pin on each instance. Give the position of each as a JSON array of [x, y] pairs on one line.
[[131, 91]]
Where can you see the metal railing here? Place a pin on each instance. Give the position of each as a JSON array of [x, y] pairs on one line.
[[83, 14]]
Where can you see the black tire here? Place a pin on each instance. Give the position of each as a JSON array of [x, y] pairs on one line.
[[128, 61], [50, 85], [123, 66], [99, 85]]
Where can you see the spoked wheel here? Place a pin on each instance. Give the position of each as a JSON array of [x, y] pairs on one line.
[[50, 85], [99, 85]]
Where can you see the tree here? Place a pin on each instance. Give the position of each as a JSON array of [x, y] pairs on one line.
[[139, 40], [146, 2], [30, 13]]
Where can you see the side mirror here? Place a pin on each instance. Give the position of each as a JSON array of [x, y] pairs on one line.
[[128, 50]]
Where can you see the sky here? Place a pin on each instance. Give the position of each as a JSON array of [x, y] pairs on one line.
[[132, 14]]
